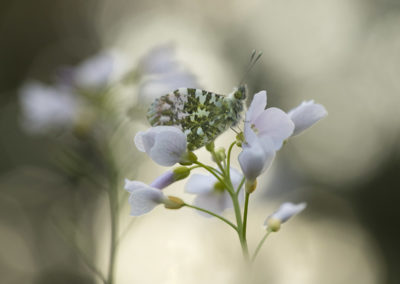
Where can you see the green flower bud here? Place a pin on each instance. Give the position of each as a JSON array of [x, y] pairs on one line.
[[180, 173], [173, 202], [274, 224], [210, 146], [188, 158]]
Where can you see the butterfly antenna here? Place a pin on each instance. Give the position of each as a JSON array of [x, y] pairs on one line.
[[252, 62]]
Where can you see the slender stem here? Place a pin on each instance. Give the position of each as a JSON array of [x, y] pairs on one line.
[[213, 214], [240, 185], [229, 158], [246, 209], [211, 170], [260, 244]]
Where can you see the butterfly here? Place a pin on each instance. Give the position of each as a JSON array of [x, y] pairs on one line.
[[201, 115]]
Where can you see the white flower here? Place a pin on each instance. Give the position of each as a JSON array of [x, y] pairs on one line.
[[166, 145], [95, 72], [163, 180], [257, 154], [271, 122], [211, 195], [305, 115], [284, 213], [144, 198], [45, 107]]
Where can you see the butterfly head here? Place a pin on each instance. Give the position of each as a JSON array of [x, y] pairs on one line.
[[240, 93]]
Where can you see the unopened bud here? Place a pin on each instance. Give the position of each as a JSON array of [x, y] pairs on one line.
[[250, 186], [188, 158], [274, 224], [173, 202], [210, 146], [180, 173], [219, 155]]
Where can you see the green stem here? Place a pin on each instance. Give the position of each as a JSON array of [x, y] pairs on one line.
[[260, 244], [211, 170], [246, 209], [229, 158], [240, 186], [213, 214]]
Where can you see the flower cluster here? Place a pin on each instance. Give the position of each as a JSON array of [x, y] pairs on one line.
[[265, 131]]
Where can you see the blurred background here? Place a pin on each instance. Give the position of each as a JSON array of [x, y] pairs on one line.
[[55, 218]]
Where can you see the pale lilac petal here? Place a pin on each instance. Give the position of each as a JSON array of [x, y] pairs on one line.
[[276, 124], [95, 72], [163, 180], [306, 115], [257, 106], [200, 184], [143, 198], [215, 202], [256, 157], [286, 211], [169, 147], [251, 161], [164, 144], [46, 107]]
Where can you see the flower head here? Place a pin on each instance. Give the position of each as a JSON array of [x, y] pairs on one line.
[[166, 145], [211, 194], [144, 198], [284, 213], [45, 107], [306, 115], [271, 122]]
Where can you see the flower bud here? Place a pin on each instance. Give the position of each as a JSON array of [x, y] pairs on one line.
[[180, 173], [188, 158], [210, 146], [274, 224], [219, 155], [173, 202]]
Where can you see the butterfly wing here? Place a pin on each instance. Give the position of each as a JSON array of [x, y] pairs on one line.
[[201, 115]]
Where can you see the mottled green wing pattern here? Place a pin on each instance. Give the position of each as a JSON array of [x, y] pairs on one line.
[[201, 115]]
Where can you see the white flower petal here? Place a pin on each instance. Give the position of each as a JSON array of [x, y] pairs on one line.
[[286, 211], [306, 115], [200, 184], [143, 198], [169, 147], [45, 107], [257, 106], [164, 144], [215, 202], [276, 124], [256, 157], [251, 161], [95, 72]]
